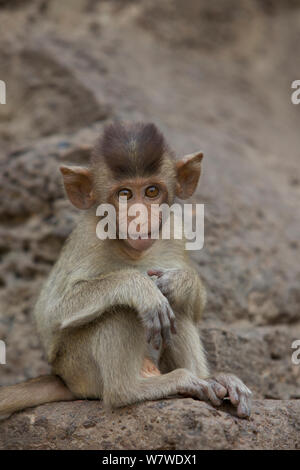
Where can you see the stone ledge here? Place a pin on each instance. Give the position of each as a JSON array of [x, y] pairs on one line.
[[167, 424]]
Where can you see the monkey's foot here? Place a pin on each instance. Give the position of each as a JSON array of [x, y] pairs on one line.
[[149, 369], [236, 391], [215, 389], [205, 390]]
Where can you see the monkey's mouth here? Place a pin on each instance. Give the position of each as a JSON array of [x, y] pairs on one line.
[[143, 242]]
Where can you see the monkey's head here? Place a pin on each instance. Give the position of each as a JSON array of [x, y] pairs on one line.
[[133, 162]]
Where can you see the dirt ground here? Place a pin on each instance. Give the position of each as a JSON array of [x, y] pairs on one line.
[[214, 76]]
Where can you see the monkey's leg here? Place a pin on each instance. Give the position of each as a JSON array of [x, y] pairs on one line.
[[185, 350], [121, 349], [105, 361]]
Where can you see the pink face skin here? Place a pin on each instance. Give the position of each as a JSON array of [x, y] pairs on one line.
[[146, 192], [140, 244], [145, 240]]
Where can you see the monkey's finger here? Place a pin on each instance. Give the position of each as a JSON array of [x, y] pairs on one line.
[[163, 286], [156, 333], [166, 316], [211, 395], [219, 389], [244, 407], [233, 394], [166, 335], [241, 387], [172, 320], [173, 326], [157, 341], [149, 334], [149, 330]]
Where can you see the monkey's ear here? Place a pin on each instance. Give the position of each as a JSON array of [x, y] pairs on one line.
[[188, 174], [78, 186]]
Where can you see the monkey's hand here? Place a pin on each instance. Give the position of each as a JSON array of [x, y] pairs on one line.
[[158, 319], [91, 297], [178, 285], [237, 392]]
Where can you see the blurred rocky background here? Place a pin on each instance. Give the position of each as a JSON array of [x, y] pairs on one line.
[[214, 76]]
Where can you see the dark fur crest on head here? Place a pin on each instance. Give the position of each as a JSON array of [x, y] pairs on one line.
[[131, 149]]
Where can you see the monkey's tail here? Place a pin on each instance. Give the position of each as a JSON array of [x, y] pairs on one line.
[[44, 389]]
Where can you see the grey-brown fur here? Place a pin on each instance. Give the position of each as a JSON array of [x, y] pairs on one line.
[[101, 302], [131, 150]]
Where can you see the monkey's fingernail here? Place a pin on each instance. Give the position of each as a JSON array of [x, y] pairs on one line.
[[220, 391], [153, 272], [244, 413], [244, 408], [234, 397]]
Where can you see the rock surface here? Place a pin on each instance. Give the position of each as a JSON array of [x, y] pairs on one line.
[[163, 425], [223, 87]]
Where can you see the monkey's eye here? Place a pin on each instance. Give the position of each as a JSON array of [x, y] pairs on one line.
[[152, 191], [125, 193]]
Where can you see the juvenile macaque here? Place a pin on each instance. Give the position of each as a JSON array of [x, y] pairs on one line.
[[118, 318]]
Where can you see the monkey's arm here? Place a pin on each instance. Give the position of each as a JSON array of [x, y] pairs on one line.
[[89, 298], [183, 288]]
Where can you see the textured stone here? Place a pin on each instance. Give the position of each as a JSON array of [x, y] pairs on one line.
[[167, 424], [223, 87]]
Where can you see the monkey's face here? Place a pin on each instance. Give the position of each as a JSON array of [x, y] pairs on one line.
[[137, 202], [133, 169]]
